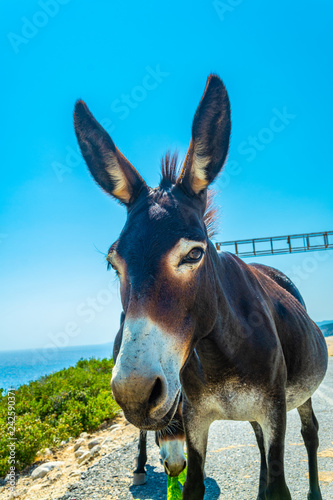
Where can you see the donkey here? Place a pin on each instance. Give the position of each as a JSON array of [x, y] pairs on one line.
[[229, 335], [170, 440]]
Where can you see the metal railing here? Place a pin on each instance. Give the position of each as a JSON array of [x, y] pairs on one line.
[[277, 245]]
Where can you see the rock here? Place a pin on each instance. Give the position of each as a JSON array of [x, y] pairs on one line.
[[57, 476], [83, 434], [115, 428], [39, 472], [95, 450], [79, 453], [84, 457], [44, 469], [94, 442], [107, 440], [52, 465], [75, 473], [78, 443]]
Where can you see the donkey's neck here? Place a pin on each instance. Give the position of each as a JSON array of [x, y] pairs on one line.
[[230, 286]]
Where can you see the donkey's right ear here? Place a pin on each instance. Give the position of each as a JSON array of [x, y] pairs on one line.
[[110, 169]]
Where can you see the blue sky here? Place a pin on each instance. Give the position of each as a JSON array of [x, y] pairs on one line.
[[141, 68]]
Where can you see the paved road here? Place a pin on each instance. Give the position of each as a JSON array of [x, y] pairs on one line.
[[232, 465]]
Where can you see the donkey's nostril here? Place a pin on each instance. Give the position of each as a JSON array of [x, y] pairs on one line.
[[156, 392]]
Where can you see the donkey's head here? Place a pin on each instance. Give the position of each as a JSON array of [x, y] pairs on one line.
[[161, 257]]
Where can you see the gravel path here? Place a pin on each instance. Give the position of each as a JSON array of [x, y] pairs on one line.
[[232, 464]]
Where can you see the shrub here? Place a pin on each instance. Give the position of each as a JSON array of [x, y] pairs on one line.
[[55, 407]]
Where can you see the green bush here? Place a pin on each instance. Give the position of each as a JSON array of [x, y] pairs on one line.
[[55, 407]]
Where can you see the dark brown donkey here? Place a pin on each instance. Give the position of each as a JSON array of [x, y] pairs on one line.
[[232, 336]]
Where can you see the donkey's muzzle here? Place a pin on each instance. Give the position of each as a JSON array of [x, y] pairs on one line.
[[141, 398], [174, 469], [145, 379]]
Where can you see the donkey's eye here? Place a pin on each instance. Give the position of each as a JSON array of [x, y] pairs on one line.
[[194, 255], [110, 263]]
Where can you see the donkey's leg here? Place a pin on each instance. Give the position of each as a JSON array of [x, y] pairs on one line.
[[139, 475], [196, 431], [274, 429], [309, 431], [263, 464]]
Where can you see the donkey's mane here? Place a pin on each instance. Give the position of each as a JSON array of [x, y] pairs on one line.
[[170, 168]]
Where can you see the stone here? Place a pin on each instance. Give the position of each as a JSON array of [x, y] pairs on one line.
[[47, 452], [107, 440], [44, 469], [52, 465], [78, 443], [94, 442], [39, 472], [75, 473], [84, 458], [95, 450], [83, 434], [115, 428], [79, 453]]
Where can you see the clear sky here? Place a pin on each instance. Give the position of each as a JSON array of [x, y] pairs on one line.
[[141, 67]]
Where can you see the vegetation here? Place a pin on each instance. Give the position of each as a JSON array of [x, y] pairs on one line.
[[55, 407], [174, 491]]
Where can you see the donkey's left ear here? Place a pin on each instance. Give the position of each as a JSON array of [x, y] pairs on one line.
[[210, 138], [110, 169]]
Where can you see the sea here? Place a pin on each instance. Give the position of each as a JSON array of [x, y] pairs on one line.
[[22, 366]]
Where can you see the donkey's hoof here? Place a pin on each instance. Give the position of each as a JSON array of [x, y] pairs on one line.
[[314, 495], [139, 478]]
